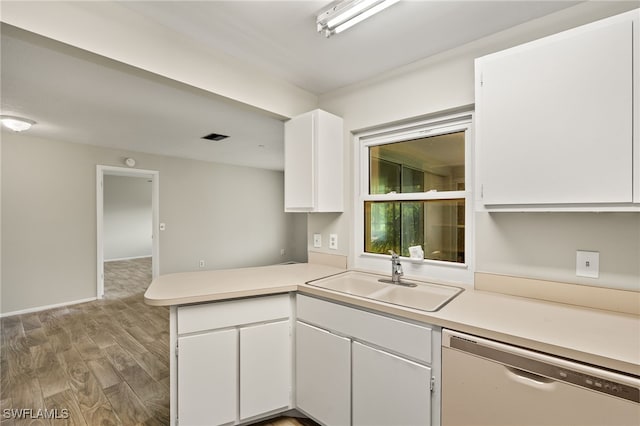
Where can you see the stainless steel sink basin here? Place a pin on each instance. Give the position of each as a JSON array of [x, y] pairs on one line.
[[424, 296]]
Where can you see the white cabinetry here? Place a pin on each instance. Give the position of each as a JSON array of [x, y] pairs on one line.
[[207, 383], [388, 389], [265, 368], [555, 123], [313, 163], [386, 364], [323, 375], [233, 360]]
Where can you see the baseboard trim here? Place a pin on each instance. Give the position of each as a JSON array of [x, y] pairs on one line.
[[47, 307], [127, 258]]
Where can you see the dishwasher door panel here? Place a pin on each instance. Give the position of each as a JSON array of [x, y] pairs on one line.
[[477, 391]]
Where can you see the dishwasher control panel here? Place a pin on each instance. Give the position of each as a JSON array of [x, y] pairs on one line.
[[598, 384]]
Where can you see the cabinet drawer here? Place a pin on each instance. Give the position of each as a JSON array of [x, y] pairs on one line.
[[232, 313], [398, 336]]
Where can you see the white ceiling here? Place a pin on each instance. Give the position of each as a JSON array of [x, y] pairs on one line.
[[280, 36], [81, 97]]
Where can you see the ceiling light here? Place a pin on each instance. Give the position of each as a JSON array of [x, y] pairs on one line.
[[344, 14], [17, 124]]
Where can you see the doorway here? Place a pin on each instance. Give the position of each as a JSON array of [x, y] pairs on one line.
[[107, 218]]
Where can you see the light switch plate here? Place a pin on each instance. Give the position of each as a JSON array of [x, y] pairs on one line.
[[333, 241], [588, 264], [317, 240]]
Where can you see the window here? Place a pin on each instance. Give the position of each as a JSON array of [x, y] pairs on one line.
[[415, 191]]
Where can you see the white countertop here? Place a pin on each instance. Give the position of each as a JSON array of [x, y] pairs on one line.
[[208, 286], [598, 337]]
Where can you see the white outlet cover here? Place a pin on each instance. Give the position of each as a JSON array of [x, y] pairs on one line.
[[587, 264], [333, 241], [317, 240]]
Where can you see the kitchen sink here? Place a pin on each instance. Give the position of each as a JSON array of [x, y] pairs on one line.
[[353, 283], [423, 296]]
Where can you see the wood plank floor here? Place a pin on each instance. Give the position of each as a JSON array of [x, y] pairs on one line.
[[105, 362], [98, 363]]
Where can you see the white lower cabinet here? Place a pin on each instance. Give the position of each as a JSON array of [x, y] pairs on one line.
[[265, 368], [323, 378], [389, 390], [233, 361], [359, 368], [207, 382], [234, 364]]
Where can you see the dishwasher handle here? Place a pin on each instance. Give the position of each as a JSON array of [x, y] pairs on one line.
[[529, 378]]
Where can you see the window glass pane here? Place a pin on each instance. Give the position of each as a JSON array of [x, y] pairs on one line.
[[436, 225], [382, 230], [419, 165], [385, 176], [412, 180]]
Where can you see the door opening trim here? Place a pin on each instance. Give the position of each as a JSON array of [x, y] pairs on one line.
[[154, 175]]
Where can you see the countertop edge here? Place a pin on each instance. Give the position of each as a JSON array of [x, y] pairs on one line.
[[214, 297]]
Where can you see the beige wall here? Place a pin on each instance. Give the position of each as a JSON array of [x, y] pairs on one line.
[[229, 216], [506, 243], [127, 219]]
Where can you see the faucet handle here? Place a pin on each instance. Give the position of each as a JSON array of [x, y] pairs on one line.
[[393, 254]]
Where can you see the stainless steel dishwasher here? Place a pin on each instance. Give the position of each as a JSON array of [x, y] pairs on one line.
[[490, 383]]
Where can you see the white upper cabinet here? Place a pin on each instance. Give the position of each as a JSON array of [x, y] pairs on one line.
[[313, 163], [555, 122]]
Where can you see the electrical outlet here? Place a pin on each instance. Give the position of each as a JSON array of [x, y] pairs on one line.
[[201, 263], [283, 252], [333, 241], [587, 264], [317, 240]]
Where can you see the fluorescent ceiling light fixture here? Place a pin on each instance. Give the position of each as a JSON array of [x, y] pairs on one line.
[[344, 14], [17, 124]]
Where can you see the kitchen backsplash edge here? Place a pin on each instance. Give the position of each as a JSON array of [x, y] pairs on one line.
[[621, 301]]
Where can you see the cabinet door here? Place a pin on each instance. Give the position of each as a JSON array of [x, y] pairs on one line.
[[323, 379], [299, 187], [208, 378], [555, 118], [389, 390], [265, 368]]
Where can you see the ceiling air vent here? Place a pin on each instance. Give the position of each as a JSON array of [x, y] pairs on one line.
[[215, 137]]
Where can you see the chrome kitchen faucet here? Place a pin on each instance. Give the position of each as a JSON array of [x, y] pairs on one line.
[[396, 272], [396, 267]]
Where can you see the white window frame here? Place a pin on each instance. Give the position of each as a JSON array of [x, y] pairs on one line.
[[436, 270]]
